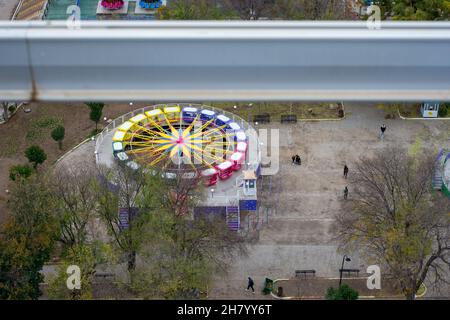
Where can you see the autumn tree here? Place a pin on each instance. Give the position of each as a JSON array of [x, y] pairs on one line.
[[76, 202], [414, 10], [118, 189], [181, 255], [87, 258], [27, 238], [397, 219], [250, 9], [193, 10]]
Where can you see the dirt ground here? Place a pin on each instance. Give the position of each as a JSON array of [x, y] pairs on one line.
[[26, 129]]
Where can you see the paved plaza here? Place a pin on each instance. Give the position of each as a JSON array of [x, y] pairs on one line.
[[299, 233], [7, 8]]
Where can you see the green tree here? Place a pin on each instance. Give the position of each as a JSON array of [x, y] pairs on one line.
[[85, 256], [20, 172], [415, 10], [27, 238], [119, 189], [443, 109], [35, 155], [58, 135], [344, 292], [177, 254], [193, 10], [96, 112], [397, 219]]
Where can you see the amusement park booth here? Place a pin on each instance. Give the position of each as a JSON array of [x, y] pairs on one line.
[[429, 109], [249, 182]]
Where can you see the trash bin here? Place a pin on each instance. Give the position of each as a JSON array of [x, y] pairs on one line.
[[280, 292], [268, 286]]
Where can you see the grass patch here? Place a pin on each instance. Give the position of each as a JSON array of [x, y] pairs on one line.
[[94, 132], [41, 126], [8, 148]]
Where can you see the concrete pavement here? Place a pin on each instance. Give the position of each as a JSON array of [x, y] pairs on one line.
[[300, 234]]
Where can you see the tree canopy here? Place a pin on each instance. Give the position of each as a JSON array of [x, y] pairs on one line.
[[397, 219]]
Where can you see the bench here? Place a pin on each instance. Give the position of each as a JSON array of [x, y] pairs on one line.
[[349, 271], [288, 118], [104, 275], [262, 118], [299, 273]]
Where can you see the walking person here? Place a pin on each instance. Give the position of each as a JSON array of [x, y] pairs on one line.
[[345, 193], [382, 130], [250, 284], [345, 171]]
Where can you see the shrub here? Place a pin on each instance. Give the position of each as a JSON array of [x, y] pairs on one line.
[[344, 292], [35, 155], [20, 171], [443, 110], [96, 111], [58, 135]]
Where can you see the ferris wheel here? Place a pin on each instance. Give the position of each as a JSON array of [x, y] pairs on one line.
[[187, 139]]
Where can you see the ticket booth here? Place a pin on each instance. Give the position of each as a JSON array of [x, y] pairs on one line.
[[225, 170], [210, 176], [430, 109], [237, 159], [249, 182]]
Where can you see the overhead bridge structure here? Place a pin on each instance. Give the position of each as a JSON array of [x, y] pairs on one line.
[[205, 61]]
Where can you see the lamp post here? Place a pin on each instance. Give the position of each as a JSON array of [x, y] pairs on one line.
[[344, 259]]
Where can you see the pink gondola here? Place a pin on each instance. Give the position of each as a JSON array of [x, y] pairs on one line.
[[237, 159], [225, 170], [210, 176], [241, 147]]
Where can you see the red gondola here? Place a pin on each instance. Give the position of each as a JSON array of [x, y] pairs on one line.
[[225, 170]]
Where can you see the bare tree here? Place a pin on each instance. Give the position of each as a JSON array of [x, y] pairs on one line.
[[77, 203], [397, 219], [250, 9], [119, 188], [314, 9], [5, 110]]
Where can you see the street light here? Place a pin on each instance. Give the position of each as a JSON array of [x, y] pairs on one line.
[[212, 193], [344, 259]]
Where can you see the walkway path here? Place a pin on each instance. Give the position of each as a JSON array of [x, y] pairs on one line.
[[7, 8]]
